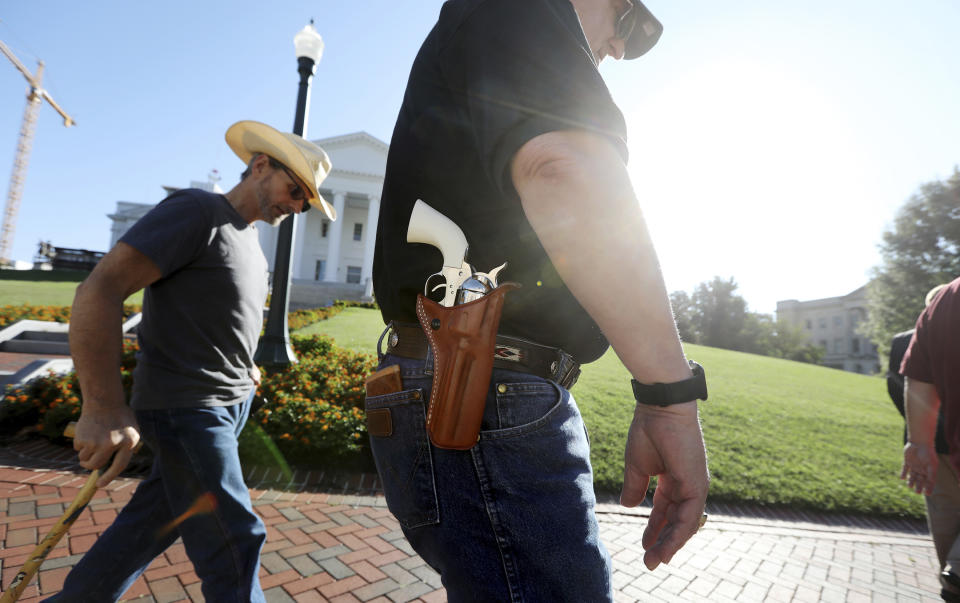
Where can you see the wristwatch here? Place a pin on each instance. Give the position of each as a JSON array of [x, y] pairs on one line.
[[665, 394]]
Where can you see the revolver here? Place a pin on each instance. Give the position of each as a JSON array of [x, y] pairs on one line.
[[462, 283]]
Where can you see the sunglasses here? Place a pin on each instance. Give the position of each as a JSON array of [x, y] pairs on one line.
[[297, 193], [627, 21]]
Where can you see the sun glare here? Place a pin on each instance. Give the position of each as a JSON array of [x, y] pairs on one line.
[[735, 160]]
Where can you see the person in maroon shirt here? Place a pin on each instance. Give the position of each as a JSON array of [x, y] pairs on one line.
[[931, 368]]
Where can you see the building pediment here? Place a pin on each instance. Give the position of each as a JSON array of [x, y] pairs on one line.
[[358, 153]]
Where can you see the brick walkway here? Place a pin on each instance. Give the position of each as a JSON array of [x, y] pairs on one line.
[[343, 545]]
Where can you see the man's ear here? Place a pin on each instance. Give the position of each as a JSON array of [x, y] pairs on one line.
[[260, 164]]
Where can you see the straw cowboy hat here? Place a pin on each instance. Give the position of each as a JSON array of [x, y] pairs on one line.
[[305, 159]]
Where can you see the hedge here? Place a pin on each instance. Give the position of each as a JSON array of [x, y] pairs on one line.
[[314, 410]]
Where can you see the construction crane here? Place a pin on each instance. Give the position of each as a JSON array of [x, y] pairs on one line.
[[35, 97]]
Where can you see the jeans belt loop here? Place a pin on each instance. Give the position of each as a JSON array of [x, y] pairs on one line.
[[565, 372]]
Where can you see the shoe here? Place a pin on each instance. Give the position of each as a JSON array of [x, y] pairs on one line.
[[951, 586]]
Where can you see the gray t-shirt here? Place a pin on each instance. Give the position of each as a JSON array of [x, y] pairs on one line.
[[202, 318]]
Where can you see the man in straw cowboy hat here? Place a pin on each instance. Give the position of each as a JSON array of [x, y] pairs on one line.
[[198, 256]]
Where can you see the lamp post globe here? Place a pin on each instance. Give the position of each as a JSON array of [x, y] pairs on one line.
[[308, 43], [274, 347]]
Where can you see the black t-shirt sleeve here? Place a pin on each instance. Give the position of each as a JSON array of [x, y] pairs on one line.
[[525, 69], [172, 234]]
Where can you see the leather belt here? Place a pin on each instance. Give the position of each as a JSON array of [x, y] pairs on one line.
[[511, 353]]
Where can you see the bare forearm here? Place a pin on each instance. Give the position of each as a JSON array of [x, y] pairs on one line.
[[587, 218], [922, 404], [95, 343]]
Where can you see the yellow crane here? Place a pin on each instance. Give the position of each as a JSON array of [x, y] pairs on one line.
[[35, 97]]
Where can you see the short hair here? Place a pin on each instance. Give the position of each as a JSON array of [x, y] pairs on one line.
[[273, 163], [933, 293]]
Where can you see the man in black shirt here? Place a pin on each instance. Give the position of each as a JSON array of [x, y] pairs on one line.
[[508, 129]]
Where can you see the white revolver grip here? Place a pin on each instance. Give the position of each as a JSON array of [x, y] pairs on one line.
[[429, 226]]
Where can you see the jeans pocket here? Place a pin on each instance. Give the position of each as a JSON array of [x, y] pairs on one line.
[[523, 406], [401, 451]]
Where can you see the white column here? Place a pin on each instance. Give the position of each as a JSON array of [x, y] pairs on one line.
[[366, 272], [335, 236], [299, 236]]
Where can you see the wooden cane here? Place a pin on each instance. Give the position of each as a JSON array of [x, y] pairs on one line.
[[29, 570], [25, 575]]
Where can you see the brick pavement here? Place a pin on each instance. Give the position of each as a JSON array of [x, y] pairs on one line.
[[344, 546]]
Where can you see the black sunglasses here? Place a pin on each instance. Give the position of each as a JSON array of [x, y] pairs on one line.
[[627, 21], [298, 194]]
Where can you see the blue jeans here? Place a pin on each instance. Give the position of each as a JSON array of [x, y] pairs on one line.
[[511, 519], [195, 454]]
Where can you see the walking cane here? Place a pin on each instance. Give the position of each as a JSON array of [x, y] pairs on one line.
[[26, 574]]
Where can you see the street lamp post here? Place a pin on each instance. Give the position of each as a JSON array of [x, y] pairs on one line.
[[274, 347]]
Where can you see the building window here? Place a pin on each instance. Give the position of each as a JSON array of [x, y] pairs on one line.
[[837, 321], [823, 344], [353, 274], [858, 367], [838, 346], [855, 346], [321, 268], [324, 226], [809, 325], [823, 323], [357, 233]]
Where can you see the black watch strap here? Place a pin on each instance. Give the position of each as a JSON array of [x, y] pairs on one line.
[[665, 394]]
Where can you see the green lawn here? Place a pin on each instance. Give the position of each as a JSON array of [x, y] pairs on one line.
[[353, 328], [777, 432], [15, 293], [37, 288]]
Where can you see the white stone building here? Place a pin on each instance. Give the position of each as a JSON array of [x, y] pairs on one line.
[[831, 323], [331, 260], [128, 213], [341, 251]]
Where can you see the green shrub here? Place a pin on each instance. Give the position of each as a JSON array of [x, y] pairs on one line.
[[52, 401], [12, 314], [315, 407], [315, 410]]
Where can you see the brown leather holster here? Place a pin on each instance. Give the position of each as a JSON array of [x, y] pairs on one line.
[[462, 339]]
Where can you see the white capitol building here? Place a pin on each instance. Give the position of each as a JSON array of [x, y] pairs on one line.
[[331, 260]]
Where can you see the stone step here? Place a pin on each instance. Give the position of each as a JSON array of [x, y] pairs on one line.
[[35, 368], [61, 336], [27, 346]]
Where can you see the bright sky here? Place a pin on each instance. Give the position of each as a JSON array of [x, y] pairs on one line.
[[770, 141]]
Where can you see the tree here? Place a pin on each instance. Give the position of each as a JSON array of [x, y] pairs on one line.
[[719, 314], [716, 316], [683, 314], [920, 251]]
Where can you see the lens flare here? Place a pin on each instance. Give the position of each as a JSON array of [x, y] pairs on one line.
[[205, 504]]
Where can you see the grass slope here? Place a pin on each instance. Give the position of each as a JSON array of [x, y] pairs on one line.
[[44, 288], [777, 432], [353, 328]]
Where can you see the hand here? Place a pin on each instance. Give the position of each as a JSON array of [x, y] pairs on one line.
[[100, 434], [919, 467], [666, 442], [255, 375]]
